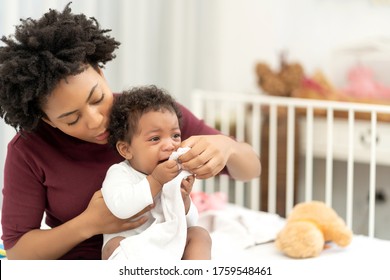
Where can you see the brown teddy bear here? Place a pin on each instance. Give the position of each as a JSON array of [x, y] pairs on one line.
[[281, 82], [308, 227]]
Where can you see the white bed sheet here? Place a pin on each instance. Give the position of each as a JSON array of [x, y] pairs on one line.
[[240, 233], [244, 236]]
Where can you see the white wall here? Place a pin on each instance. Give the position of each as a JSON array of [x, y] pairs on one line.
[[181, 45], [215, 44]]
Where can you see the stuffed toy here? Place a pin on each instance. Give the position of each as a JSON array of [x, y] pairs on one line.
[[308, 228], [281, 82], [362, 84], [204, 201]]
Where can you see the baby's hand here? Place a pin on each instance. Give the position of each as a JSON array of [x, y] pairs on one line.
[[186, 188], [165, 171], [187, 184]]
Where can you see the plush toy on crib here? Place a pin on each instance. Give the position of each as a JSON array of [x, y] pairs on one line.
[[308, 227], [282, 82]]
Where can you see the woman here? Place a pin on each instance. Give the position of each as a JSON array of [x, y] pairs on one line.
[[54, 92]]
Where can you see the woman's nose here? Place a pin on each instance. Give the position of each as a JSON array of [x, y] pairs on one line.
[[94, 118]]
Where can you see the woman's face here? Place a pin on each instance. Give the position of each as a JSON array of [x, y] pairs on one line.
[[80, 105]]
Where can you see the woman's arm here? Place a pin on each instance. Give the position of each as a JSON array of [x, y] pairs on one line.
[[48, 244], [54, 243]]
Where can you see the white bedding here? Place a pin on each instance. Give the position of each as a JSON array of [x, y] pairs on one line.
[[235, 229], [240, 233], [244, 237]]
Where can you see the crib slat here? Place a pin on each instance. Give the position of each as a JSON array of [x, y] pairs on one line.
[[254, 201], [290, 159], [240, 121], [329, 157], [372, 195], [272, 159], [309, 155], [350, 167]]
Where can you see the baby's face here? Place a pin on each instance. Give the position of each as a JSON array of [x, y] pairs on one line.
[[159, 135]]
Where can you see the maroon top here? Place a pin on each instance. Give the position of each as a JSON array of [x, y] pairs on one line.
[[49, 171]]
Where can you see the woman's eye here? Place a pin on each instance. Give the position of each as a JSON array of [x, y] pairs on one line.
[[99, 100], [74, 122]]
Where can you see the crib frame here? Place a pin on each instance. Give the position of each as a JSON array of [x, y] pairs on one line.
[[241, 114]]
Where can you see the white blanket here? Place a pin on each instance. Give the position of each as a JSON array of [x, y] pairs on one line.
[[235, 229]]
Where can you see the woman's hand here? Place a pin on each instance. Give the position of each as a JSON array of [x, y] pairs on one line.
[[209, 154]]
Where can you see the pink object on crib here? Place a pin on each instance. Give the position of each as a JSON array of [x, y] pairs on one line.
[[213, 201], [362, 84]]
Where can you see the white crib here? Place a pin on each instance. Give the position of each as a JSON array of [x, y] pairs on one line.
[[296, 137]]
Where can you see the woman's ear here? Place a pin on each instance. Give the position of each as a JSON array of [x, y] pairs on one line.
[[100, 71], [124, 149]]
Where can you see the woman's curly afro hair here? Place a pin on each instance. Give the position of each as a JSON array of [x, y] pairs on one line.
[[129, 107], [40, 54]]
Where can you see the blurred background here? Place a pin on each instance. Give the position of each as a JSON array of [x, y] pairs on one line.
[[181, 45]]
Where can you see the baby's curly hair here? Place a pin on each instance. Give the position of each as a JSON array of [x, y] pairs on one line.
[[40, 54], [129, 106]]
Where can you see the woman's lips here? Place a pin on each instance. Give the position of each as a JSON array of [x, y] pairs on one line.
[[103, 136]]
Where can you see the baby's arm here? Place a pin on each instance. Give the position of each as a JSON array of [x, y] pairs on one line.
[[124, 193]]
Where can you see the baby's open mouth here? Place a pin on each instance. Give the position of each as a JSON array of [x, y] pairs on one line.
[[161, 161]]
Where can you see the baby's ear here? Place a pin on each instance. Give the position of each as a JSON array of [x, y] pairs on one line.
[[124, 149]]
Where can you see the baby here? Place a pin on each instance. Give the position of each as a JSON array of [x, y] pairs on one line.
[[145, 129]]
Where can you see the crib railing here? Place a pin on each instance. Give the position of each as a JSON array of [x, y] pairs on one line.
[[258, 119]]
